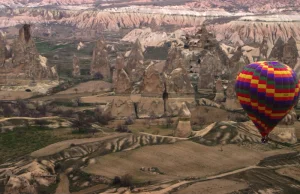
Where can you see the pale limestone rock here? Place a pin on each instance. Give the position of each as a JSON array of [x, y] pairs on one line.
[[135, 62], [178, 82], [184, 128], [152, 80], [27, 63]]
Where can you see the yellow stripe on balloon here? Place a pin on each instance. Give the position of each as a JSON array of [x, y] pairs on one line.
[[244, 99], [284, 95], [278, 114], [264, 86], [245, 76]]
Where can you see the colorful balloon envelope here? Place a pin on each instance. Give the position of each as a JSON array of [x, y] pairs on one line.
[[267, 91]]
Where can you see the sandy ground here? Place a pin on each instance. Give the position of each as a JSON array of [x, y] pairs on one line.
[[89, 87], [91, 189], [219, 186], [63, 186], [14, 95], [57, 147], [177, 161]]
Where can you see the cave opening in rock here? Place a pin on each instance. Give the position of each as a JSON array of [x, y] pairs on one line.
[[28, 90]]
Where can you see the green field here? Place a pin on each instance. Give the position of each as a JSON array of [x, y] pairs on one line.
[[23, 140]]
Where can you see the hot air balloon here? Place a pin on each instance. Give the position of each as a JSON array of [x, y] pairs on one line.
[[267, 91]]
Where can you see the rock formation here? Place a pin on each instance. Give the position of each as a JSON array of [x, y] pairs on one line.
[[121, 81], [220, 95], [173, 60], [209, 59], [184, 128], [76, 67], [236, 56], [231, 102], [153, 25], [285, 131], [290, 53], [100, 67], [27, 59], [263, 49], [277, 51], [135, 62], [152, 80], [179, 82]]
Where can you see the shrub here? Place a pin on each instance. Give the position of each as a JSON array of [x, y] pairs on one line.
[[129, 121], [126, 180], [122, 129], [116, 180], [7, 110], [98, 76]]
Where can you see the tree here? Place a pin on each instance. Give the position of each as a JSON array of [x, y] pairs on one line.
[[81, 123]]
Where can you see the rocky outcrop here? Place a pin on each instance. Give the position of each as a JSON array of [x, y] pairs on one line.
[[121, 80], [290, 53], [213, 64], [183, 128], [277, 51], [206, 58], [135, 62], [179, 82], [231, 102], [263, 49], [76, 67], [100, 67], [237, 55], [174, 59], [153, 25], [27, 62], [153, 80], [220, 95]]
